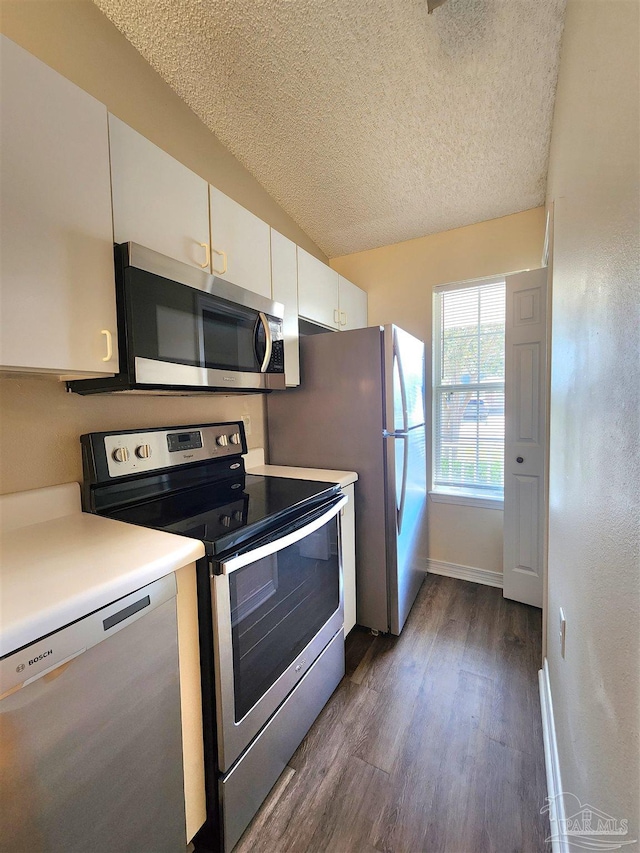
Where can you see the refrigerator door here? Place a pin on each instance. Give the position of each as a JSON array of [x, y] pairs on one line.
[[406, 490], [406, 470], [404, 380], [335, 419]]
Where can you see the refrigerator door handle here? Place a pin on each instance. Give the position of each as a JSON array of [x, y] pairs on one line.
[[403, 489], [403, 390]]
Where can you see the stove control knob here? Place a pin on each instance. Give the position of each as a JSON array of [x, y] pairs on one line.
[[235, 438], [237, 515], [222, 441], [225, 520], [143, 451], [121, 454]]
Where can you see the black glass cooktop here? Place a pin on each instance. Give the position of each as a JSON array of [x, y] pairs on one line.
[[226, 515]]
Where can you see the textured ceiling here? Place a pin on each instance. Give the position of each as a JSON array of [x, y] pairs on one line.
[[369, 121]]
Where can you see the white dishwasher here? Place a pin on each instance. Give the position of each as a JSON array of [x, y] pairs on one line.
[[90, 734]]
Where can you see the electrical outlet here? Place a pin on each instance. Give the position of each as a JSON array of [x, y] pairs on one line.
[[563, 632], [246, 420]]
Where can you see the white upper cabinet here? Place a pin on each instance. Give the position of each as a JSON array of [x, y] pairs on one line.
[[317, 291], [284, 288], [56, 240], [157, 201], [240, 245], [329, 299], [353, 305]]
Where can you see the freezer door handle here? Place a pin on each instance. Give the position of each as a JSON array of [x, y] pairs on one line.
[[403, 391]]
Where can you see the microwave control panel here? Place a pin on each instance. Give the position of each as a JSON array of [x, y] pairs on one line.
[[154, 450]]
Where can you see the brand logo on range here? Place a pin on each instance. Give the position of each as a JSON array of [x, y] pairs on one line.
[[36, 659]]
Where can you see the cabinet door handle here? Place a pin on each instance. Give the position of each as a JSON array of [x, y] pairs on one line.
[[343, 314], [336, 316], [109, 338], [223, 255], [207, 255]]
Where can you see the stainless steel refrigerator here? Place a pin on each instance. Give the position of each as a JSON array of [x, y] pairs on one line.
[[360, 407]]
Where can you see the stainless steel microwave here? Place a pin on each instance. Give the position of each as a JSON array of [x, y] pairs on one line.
[[184, 331]]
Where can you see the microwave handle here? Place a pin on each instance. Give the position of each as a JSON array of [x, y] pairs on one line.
[[252, 556], [268, 342]]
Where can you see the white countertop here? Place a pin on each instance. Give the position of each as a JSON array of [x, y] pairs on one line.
[[324, 475], [56, 568]]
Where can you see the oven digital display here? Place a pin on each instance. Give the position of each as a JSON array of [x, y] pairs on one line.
[[184, 441]]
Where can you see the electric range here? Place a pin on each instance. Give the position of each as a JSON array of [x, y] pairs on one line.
[[270, 599]]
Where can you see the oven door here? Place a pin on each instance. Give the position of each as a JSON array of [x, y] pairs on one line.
[[275, 608]]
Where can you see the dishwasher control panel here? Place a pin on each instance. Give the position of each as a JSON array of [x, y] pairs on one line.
[[20, 668]]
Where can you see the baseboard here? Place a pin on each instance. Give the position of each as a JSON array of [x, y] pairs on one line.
[[559, 841], [465, 573]]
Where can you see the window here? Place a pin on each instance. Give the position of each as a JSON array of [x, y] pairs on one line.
[[468, 389]]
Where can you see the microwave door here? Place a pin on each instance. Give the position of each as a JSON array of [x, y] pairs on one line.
[[200, 334], [228, 336]]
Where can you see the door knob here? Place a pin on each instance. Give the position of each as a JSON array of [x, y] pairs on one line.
[[520, 459]]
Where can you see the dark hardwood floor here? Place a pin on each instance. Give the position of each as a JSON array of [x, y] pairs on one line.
[[432, 741]]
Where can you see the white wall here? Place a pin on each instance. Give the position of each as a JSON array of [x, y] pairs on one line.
[[594, 563]]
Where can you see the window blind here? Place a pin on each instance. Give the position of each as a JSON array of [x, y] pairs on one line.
[[468, 391]]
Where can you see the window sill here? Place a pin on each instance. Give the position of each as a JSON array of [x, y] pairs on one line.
[[467, 499]]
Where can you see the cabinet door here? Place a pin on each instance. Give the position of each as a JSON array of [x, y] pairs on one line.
[[284, 288], [348, 522], [317, 291], [157, 201], [240, 245], [353, 305], [56, 240]]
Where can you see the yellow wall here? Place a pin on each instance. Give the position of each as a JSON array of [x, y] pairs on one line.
[[41, 425], [399, 280], [37, 415]]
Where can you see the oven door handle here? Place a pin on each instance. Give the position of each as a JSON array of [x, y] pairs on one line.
[[255, 554]]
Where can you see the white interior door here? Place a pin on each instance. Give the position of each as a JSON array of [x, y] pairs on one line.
[[525, 436]]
